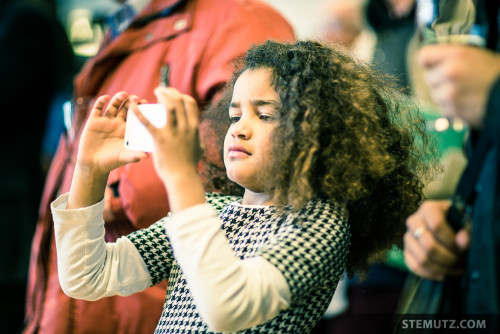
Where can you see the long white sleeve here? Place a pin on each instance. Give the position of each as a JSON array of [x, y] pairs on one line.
[[230, 294], [89, 268]]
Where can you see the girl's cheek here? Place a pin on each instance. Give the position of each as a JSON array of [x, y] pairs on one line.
[[224, 152]]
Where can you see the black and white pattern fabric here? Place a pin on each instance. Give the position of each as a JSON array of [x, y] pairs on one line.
[[310, 248]]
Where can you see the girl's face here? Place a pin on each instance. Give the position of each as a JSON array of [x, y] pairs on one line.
[[254, 115]]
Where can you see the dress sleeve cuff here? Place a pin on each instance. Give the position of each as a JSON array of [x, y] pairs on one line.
[[193, 213], [60, 212]]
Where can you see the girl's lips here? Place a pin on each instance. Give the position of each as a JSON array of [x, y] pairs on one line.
[[237, 151]]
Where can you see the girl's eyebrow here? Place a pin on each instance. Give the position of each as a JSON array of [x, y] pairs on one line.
[[257, 103], [274, 103]]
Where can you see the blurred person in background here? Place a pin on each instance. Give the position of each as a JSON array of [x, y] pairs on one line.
[[36, 60], [393, 22], [344, 23], [465, 82], [185, 44]]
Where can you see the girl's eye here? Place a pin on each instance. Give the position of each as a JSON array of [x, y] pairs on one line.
[[234, 119], [267, 118]]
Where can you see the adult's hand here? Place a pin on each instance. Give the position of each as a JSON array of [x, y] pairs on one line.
[[431, 248], [460, 78]]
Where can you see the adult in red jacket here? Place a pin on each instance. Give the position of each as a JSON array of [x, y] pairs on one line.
[[198, 39]]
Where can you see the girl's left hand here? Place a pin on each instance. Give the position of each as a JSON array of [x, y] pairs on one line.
[[177, 145]]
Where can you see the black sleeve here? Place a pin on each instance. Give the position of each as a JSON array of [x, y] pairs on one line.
[[492, 118]]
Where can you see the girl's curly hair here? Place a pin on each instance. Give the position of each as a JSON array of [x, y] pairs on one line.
[[346, 134]]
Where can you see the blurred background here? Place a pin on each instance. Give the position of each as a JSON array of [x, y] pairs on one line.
[[83, 19], [381, 32]]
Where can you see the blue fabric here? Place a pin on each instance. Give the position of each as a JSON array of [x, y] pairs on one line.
[[481, 293], [121, 19]]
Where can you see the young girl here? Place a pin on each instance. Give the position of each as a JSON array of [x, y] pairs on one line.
[[329, 172]]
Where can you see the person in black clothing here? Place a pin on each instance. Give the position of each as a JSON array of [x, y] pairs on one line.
[[36, 62], [465, 82], [393, 22]]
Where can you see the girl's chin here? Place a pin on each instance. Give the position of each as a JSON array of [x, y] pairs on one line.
[[238, 179]]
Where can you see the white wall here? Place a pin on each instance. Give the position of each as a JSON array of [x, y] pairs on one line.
[[306, 16]]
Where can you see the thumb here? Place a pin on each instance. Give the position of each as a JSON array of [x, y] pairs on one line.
[[462, 239], [132, 156]]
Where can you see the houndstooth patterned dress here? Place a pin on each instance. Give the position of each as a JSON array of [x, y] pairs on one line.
[[310, 248]]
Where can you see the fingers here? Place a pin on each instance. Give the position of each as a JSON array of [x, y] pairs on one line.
[[428, 259], [462, 239], [431, 55], [425, 247], [117, 101], [428, 254], [117, 106], [113, 106], [414, 265], [99, 106], [174, 104], [132, 156], [443, 63], [432, 216], [122, 113], [430, 248], [182, 110], [192, 112]]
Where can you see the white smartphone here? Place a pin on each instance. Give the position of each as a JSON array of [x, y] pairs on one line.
[[137, 137]]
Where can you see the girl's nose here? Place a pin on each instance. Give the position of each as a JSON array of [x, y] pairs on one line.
[[241, 129]]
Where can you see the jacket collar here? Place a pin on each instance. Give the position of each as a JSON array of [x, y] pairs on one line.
[[154, 27]]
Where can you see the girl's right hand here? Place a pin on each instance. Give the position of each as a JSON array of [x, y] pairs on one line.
[[101, 146], [101, 150]]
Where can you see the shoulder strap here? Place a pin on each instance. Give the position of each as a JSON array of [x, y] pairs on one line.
[[464, 195]]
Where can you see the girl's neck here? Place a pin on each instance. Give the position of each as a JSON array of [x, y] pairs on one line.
[[255, 198]]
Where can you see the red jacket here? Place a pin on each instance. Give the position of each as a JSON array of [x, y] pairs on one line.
[[198, 41]]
